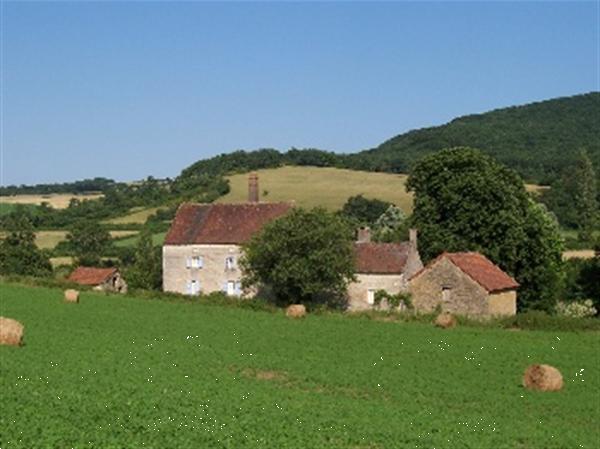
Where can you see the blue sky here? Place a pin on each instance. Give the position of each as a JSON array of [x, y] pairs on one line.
[[127, 90]]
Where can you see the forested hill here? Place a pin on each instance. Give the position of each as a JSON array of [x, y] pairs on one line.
[[538, 139]]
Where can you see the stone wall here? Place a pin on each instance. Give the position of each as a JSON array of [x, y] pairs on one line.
[[503, 303], [358, 291], [463, 296], [213, 276]]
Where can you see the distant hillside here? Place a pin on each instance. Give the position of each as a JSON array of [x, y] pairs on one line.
[[537, 139], [321, 186]]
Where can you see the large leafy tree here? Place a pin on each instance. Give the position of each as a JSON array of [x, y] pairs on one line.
[[364, 211], [19, 253], [465, 200], [146, 271], [304, 257], [89, 242]]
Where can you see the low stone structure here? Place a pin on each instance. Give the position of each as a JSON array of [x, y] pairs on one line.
[[381, 266], [464, 284], [105, 279]]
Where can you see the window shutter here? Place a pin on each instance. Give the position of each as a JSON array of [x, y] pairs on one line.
[[189, 287], [188, 262], [224, 289], [238, 288], [200, 262]]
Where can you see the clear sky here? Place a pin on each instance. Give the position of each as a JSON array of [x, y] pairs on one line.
[[127, 90]]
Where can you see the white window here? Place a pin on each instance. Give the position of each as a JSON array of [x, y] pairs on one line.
[[371, 296], [446, 294], [193, 287], [194, 262], [230, 263]]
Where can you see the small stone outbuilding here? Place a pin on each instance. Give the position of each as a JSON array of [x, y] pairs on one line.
[[464, 284], [381, 266], [105, 279]]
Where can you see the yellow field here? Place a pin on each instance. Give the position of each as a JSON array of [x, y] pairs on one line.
[[535, 188], [327, 187], [56, 200], [49, 239], [578, 254], [135, 215], [58, 261]]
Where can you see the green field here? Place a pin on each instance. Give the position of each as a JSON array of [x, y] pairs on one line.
[[157, 239], [116, 372], [316, 186], [137, 215]]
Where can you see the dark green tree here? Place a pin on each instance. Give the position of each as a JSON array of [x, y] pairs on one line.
[[89, 242], [585, 196], [465, 200], [304, 257], [146, 271], [19, 253], [364, 211]]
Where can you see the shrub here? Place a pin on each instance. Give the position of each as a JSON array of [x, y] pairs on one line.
[[399, 300], [576, 309]]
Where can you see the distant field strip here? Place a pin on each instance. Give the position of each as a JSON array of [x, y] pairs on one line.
[[137, 215], [56, 200], [122, 372]]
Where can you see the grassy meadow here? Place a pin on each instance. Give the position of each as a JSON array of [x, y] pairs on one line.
[[117, 371], [318, 186], [137, 215]]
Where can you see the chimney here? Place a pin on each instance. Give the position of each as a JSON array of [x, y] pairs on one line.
[[412, 238], [364, 235], [253, 188]]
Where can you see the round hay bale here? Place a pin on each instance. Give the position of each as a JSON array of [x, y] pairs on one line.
[[71, 295], [11, 332], [445, 320], [542, 378], [295, 311]]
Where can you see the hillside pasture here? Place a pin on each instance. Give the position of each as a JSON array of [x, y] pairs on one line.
[[321, 186], [116, 371], [137, 215], [56, 200]]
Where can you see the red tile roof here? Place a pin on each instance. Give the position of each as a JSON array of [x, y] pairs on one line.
[[221, 223], [381, 258], [91, 275], [480, 269]]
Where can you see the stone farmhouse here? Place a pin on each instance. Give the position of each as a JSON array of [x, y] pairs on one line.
[[465, 284], [381, 266], [203, 247], [105, 279]]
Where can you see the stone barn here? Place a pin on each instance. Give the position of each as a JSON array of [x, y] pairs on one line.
[[381, 266], [464, 284], [203, 246], [105, 279]]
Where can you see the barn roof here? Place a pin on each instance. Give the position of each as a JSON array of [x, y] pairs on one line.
[[221, 223], [480, 269], [91, 275], [381, 258]]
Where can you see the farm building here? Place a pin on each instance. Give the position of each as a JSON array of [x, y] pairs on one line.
[[465, 284], [381, 266], [106, 279], [203, 245]]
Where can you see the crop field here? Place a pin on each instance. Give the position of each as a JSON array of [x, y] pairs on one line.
[[116, 371], [317, 186], [56, 200]]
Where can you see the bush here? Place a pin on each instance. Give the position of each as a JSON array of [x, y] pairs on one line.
[[576, 309]]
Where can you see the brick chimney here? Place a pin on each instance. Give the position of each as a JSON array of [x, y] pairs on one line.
[[363, 235], [412, 238], [253, 188]]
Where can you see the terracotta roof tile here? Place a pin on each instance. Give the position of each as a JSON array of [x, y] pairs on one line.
[[91, 275], [483, 271], [479, 268], [381, 258], [221, 223]]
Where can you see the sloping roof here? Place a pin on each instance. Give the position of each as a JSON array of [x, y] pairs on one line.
[[479, 268], [381, 258], [91, 275], [221, 223]]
